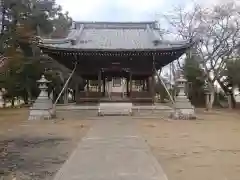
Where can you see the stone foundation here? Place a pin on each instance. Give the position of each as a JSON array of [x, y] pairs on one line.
[[183, 114]]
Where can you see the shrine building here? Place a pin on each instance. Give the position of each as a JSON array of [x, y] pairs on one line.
[[117, 60]]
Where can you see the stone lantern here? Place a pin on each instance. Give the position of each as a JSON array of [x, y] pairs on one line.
[[183, 108], [236, 93], [43, 106], [181, 84]]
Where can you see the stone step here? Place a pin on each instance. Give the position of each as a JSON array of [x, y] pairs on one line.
[[115, 109], [92, 111]]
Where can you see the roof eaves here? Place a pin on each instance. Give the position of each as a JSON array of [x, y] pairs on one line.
[[176, 48]]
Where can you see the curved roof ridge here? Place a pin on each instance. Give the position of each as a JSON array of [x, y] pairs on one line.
[[115, 22], [55, 41], [115, 25]]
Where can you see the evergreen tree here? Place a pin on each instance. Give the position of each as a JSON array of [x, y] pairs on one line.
[[22, 23], [195, 78]]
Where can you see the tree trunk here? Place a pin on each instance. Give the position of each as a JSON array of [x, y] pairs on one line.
[[230, 101], [12, 102], [234, 104], [211, 99], [211, 95], [25, 99]]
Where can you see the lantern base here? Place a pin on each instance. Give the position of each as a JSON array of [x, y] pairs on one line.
[[41, 115], [183, 114], [42, 109], [183, 109]]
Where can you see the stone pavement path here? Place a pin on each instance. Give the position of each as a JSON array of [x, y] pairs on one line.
[[112, 150]]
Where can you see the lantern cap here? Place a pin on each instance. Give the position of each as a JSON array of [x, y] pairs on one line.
[[181, 79], [43, 80]]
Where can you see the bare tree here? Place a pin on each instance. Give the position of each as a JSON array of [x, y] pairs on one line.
[[218, 31]]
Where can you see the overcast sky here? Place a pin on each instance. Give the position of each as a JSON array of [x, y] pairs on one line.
[[122, 10]]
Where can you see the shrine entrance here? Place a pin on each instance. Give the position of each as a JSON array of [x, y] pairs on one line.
[[116, 85]]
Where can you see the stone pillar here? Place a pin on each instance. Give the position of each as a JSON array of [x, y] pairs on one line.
[[183, 109], [43, 106]]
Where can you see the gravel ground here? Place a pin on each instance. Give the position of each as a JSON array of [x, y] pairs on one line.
[[36, 150], [204, 149]]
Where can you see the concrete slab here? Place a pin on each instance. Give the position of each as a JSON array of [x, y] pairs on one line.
[[112, 150]]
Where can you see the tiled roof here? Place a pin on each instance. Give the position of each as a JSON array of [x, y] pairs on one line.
[[113, 36]]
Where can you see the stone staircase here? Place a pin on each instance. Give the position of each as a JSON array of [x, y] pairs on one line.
[[138, 111]]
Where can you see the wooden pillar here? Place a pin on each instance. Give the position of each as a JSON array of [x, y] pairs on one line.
[[76, 92], [144, 84], [130, 84], [104, 86], [99, 82], [87, 85], [149, 84], [65, 96], [87, 93], [127, 87], [153, 87]]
